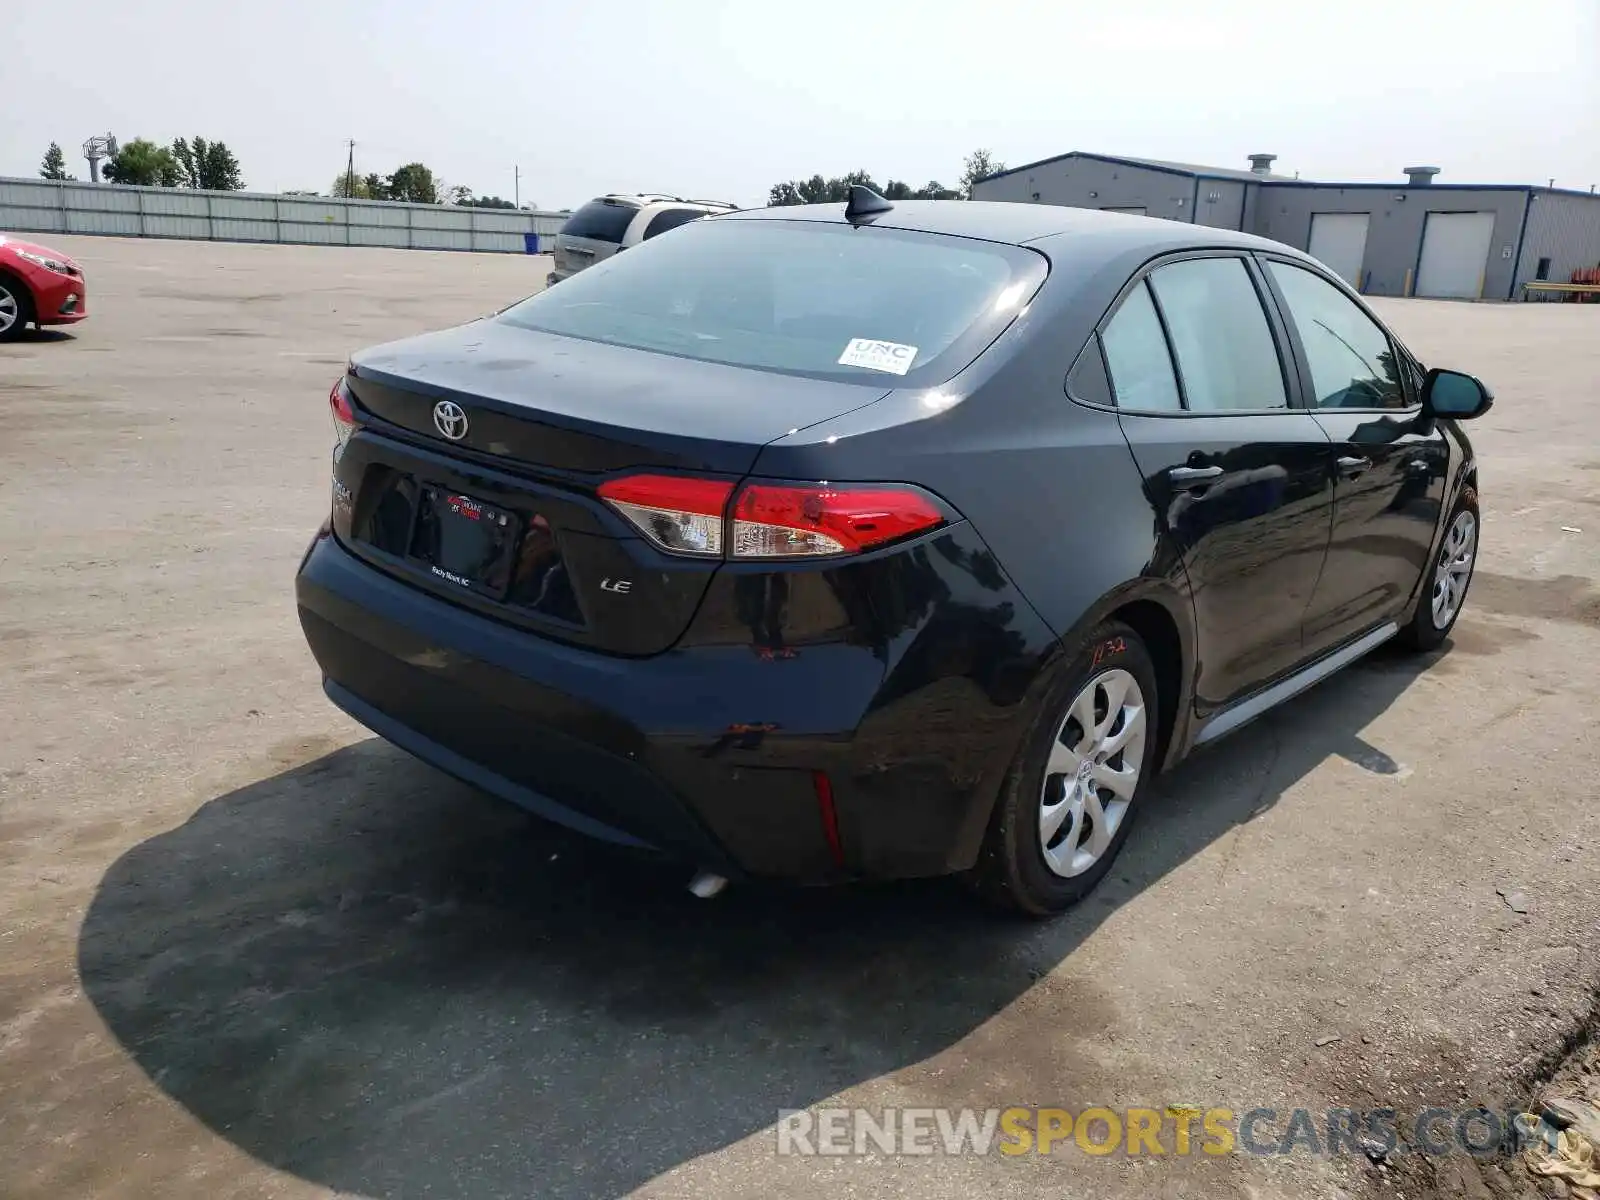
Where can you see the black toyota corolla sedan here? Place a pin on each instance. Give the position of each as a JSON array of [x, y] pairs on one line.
[[883, 539]]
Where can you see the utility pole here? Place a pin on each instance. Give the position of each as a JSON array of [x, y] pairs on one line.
[[516, 186], [350, 172]]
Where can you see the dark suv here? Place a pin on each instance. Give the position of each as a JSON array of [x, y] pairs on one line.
[[883, 540]]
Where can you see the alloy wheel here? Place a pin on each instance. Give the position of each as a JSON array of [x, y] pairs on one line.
[[1451, 577], [1092, 772], [10, 310]]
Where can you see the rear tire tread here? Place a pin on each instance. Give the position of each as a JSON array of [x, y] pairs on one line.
[[1010, 872]]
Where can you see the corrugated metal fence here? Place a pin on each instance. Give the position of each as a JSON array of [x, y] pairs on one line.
[[47, 206]]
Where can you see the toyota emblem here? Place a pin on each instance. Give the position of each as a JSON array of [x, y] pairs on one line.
[[450, 419]]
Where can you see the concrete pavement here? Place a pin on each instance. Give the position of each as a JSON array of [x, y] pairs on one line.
[[247, 950]]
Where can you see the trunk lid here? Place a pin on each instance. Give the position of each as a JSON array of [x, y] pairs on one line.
[[505, 518], [573, 254], [546, 400]]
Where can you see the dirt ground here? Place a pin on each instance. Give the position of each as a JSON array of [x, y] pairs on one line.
[[247, 950]]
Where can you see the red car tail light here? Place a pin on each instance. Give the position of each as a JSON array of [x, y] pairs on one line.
[[796, 521], [684, 515], [677, 513], [344, 413]]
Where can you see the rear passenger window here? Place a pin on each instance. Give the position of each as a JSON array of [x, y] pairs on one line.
[[670, 218], [1352, 363], [1137, 358], [1226, 354], [1088, 381]]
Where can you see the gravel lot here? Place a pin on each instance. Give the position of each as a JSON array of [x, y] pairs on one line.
[[246, 950]]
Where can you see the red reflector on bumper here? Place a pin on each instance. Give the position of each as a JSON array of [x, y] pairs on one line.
[[829, 814]]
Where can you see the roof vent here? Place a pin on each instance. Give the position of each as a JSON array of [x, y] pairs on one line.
[[1261, 164], [1420, 176]]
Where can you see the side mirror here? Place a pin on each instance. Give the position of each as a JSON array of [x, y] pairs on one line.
[[1455, 396]]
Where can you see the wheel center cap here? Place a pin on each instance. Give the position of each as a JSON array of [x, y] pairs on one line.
[[1086, 768]]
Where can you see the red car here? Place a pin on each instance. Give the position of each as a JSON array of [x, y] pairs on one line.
[[39, 285]]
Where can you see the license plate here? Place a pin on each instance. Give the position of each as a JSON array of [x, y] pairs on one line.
[[466, 542], [574, 257]]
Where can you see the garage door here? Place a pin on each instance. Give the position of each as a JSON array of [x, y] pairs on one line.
[[1455, 254], [1339, 242]]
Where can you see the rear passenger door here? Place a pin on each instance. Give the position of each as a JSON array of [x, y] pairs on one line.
[[1389, 473], [1239, 477]]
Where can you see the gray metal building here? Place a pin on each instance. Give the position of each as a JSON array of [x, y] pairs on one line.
[[1418, 238]]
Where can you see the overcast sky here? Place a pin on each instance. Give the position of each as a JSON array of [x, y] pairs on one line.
[[719, 99]]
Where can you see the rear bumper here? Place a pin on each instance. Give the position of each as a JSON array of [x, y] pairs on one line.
[[467, 770], [709, 753]]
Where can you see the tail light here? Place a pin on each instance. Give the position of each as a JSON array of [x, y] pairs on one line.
[[344, 414], [683, 515], [786, 521], [679, 514]]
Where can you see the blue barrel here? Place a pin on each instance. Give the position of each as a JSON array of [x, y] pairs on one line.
[[530, 242]]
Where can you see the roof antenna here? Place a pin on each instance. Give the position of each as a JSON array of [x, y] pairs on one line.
[[864, 202]]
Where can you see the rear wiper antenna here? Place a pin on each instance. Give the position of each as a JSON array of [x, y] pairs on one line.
[[863, 203]]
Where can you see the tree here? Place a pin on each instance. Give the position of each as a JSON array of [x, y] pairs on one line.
[[980, 164], [784, 194], [414, 183], [817, 190], [54, 165], [209, 165], [459, 194], [364, 187], [144, 163], [186, 156], [820, 191], [222, 169], [487, 202]]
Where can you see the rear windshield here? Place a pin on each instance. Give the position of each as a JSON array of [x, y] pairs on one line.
[[809, 298], [600, 221]]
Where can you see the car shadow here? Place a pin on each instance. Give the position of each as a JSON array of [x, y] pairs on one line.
[[370, 976], [34, 335]]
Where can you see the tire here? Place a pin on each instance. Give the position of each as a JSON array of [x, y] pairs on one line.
[[16, 309], [1433, 620], [1018, 867]]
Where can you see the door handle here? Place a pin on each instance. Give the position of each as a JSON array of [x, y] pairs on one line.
[[1351, 467], [1192, 476]]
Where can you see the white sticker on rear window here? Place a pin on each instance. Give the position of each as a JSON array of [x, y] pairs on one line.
[[878, 356]]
